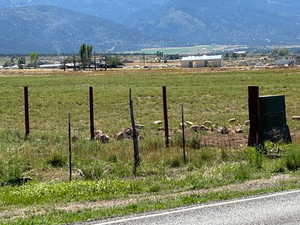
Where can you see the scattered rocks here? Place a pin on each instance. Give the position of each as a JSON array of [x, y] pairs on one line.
[[223, 130], [101, 137], [232, 120], [239, 130], [208, 123], [104, 139], [197, 128], [189, 123], [80, 172], [158, 122], [139, 126], [296, 117], [126, 134], [107, 170]]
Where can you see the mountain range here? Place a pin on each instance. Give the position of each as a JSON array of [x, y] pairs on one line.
[[53, 26]]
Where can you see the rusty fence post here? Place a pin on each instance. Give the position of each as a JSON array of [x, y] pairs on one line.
[[166, 122], [254, 116], [91, 101], [70, 146], [26, 112], [135, 140]]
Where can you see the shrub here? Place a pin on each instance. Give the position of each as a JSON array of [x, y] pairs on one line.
[[154, 188], [92, 171], [56, 161], [242, 173], [113, 158], [293, 159], [195, 142], [174, 163], [11, 171], [254, 157]]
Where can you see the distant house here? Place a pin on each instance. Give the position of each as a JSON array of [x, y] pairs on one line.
[[297, 60], [51, 66], [202, 61]]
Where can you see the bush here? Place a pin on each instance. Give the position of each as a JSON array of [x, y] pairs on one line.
[[254, 157], [113, 158], [11, 172], [113, 62], [56, 161], [174, 163], [92, 171], [293, 159], [195, 142], [242, 172]]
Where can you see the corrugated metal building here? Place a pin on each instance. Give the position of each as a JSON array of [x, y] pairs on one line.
[[202, 61]]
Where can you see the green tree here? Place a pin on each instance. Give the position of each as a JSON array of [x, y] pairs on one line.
[[85, 53], [113, 62], [21, 62], [283, 52], [34, 57]]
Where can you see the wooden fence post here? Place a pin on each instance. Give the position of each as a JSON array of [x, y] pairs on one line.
[[92, 124], [183, 134], [26, 112], [70, 146], [134, 136], [166, 122], [254, 115]]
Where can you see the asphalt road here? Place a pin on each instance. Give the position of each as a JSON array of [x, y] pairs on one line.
[[281, 208]]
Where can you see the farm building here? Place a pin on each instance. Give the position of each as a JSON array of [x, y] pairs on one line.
[[297, 60], [202, 61], [285, 62]]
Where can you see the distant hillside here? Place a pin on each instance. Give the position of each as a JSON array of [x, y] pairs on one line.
[[155, 23], [50, 29], [255, 22], [115, 10]]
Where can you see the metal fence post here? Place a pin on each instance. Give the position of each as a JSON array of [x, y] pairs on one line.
[[166, 122]]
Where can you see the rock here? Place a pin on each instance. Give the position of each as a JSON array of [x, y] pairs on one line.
[[296, 117], [126, 134], [185, 125], [121, 136], [208, 123], [107, 170], [223, 130], [247, 123], [139, 126], [232, 120], [189, 123], [104, 139], [158, 122], [197, 128], [80, 172], [239, 130], [98, 132]]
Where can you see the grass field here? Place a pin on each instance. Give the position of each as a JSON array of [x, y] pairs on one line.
[[103, 171]]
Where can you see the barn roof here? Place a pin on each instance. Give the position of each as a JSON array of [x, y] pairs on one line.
[[203, 57]]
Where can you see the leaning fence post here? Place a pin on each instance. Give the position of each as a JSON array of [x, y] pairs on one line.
[[134, 136], [253, 104], [70, 147], [183, 134], [166, 122], [92, 125], [26, 112]]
